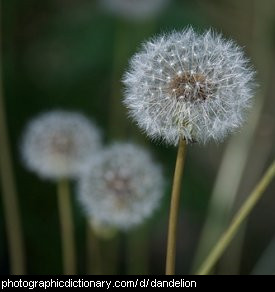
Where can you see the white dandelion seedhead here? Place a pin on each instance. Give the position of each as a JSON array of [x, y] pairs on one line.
[[58, 144], [134, 9], [187, 85], [122, 188]]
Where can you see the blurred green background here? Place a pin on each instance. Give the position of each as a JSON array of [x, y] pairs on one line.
[[69, 54]]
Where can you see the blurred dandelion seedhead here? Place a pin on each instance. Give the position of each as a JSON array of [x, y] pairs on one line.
[[122, 187], [135, 9], [58, 144], [187, 85]]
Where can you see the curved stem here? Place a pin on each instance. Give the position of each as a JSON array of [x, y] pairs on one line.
[[174, 209], [67, 228], [9, 193], [238, 219]]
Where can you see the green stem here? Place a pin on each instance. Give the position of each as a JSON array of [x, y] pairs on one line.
[[11, 209], [174, 209], [66, 227], [238, 219]]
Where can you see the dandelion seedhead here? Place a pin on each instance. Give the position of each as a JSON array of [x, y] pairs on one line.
[[134, 9], [58, 144], [122, 187], [187, 85]]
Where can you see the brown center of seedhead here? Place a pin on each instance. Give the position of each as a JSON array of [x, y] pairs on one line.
[[119, 185], [62, 144], [190, 86]]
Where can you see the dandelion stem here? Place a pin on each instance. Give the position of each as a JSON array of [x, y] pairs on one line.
[[67, 228], [9, 193], [238, 219], [174, 209]]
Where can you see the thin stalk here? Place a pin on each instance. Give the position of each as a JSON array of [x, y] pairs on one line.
[[10, 201], [238, 219], [66, 227], [174, 209], [9, 192]]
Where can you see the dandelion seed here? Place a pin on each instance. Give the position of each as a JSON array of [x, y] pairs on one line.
[[58, 144], [122, 187], [202, 87]]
